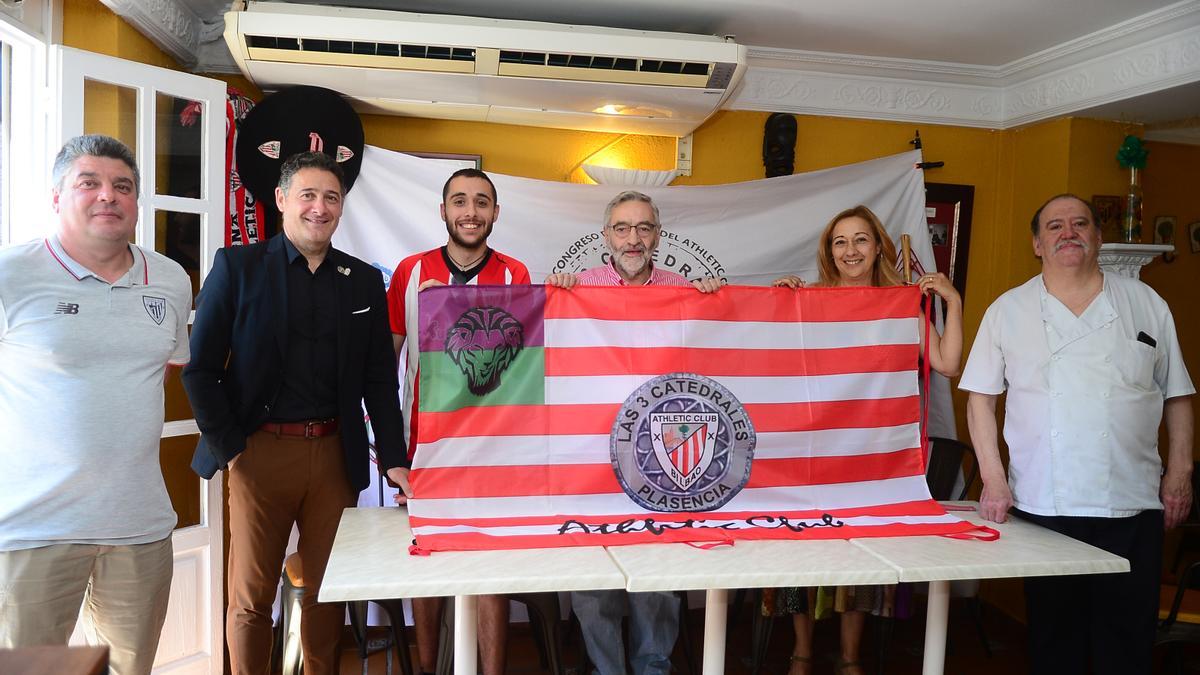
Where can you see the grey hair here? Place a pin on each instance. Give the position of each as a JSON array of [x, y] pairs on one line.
[[93, 145], [630, 196], [310, 160]]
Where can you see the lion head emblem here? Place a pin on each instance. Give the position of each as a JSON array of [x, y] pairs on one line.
[[482, 343]]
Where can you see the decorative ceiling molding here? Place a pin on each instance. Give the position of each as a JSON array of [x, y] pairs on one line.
[[1156, 65], [1138, 30], [1148, 26], [167, 23], [813, 93], [772, 57], [1145, 67], [1182, 136]]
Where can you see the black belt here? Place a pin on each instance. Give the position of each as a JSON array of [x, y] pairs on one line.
[[310, 429]]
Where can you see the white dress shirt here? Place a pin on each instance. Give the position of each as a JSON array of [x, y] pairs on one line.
[[1085, 395]]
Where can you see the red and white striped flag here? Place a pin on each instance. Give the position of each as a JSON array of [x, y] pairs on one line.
[[615, 415]]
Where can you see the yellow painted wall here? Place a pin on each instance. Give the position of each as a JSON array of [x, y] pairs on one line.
[[89, 25]]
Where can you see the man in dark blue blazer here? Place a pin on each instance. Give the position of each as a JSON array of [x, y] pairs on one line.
[[291, 338]]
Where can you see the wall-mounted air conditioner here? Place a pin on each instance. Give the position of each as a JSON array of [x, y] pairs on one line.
[[489, 70]]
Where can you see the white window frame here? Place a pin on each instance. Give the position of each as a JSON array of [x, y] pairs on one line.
[[27, 158]]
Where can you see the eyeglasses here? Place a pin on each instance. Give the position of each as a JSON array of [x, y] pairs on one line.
[[623, 229]]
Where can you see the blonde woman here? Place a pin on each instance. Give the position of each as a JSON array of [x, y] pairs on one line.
[[855, 250]]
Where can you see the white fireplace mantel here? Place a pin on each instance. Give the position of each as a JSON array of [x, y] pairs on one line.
[[1129, 259]]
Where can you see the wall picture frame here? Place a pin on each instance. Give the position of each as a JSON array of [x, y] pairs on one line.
[[1108, 210], [1164, 233], [1194, 236], [1164, 229], [948, 208], [466, 161]]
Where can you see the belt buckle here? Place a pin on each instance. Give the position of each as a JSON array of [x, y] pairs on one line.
[[308, 429]]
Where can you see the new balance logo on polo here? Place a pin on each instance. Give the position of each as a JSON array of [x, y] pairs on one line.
[[66, 308]]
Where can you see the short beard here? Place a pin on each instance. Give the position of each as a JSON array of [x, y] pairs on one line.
[[455, 237], [619, 259]]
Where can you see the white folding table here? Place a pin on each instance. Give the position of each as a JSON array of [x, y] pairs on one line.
[[1023, 550], [370, 560]]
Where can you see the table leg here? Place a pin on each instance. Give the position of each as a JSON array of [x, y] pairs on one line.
[[935, 628], [465, 620], [716, 613]]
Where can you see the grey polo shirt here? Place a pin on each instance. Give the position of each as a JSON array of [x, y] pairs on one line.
[[82, 364]]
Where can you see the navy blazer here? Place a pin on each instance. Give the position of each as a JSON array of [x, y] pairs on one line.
[[239, 341]]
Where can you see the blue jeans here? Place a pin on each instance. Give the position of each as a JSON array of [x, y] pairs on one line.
[[653, 626]]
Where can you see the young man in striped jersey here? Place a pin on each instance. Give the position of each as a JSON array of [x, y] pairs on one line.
[[631, 232], [469, 209]]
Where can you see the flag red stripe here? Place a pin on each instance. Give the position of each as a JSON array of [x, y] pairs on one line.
[[766, 473], [587, 419], [733, 303], [574, 361], [923, 507], [473, 541], [577, 479], [468, 482]]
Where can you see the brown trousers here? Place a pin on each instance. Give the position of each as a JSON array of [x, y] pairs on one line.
[[276, 481]]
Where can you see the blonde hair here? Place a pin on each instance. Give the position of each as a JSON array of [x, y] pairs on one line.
[[883, 272]]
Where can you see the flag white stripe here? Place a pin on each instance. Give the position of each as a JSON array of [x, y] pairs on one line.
[[730, 334], [593, 389], [767, 500], [552, 529], [594, 448]]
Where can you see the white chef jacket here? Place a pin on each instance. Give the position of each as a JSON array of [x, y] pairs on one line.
[[1085, 395]]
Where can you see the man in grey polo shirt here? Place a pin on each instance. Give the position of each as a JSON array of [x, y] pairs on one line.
[[88, 325]]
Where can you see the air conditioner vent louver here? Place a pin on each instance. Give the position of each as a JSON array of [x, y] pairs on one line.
[[602, 62], [392, 49], [482, 69]]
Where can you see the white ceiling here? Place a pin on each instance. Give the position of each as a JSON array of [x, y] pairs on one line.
[[1040, 58], [978, 32]]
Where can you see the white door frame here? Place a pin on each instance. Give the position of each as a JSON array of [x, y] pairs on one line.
[[193, 635]]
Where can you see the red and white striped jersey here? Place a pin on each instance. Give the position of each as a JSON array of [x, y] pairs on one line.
[[498, 269]]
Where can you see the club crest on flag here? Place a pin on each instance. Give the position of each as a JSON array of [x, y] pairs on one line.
[[682, 442], [483, 342], [156, 307]]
